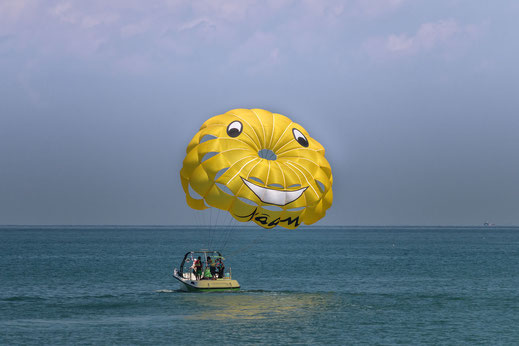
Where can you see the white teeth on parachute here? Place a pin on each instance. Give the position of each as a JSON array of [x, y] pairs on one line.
[[271, 196]]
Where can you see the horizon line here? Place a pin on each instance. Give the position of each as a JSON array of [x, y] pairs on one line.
[[244, 226]]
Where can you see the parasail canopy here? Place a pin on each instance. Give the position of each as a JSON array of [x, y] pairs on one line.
[[260, 167]]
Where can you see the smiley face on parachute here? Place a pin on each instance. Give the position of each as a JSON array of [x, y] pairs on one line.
[[259, 166]]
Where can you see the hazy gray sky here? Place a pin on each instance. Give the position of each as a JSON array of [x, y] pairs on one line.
[[416, 103]]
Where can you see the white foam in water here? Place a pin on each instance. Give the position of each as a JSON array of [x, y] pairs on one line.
[[165, 291]]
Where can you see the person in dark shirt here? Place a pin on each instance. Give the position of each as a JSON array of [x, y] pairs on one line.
[[198, 268], [220, 267]]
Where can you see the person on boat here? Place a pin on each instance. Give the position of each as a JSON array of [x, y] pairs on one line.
[[198, 268], [207, 274], [220, 267], [212, 266]]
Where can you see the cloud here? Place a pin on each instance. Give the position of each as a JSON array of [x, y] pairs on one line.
[[12, 10], [130, 17], [431, 36], [375, 8], [198, 23], [68, 13], [170, 32], [63, 12], [136, 28]]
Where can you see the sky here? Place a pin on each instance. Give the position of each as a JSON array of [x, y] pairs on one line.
[[416, 103]]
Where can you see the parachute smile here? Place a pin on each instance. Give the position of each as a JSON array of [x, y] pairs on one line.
[[271, 196]]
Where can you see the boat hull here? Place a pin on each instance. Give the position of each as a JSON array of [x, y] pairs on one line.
[[223, 284]]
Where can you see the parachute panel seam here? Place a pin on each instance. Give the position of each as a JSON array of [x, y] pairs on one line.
[[282, 174], [257, 158], [262, 127], [248, 174], [268, 173], [294, 164], [282, 135], [272, 132], [300, 181], [286, 151], [312, 161], [284, 145], [253, 130]]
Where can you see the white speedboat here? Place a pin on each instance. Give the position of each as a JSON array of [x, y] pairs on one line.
[[205, 271]]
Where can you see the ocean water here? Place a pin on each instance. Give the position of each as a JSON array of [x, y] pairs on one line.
[[387, 285]]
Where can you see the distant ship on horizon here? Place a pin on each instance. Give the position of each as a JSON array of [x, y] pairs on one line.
[[488, 224]]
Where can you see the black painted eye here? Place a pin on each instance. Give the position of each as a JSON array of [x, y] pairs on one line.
[[234, 129], [300, 138]]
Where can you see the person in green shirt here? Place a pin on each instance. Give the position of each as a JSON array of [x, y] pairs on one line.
[[212, 267], [207, 273]]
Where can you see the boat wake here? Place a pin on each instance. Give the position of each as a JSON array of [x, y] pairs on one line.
[[167, 291]]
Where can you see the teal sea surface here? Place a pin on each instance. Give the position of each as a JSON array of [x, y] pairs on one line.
[[317, 285]]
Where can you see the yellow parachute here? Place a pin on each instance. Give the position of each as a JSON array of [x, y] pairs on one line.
[[259, 166]]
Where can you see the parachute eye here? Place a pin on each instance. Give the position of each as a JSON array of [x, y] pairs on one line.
[[300, 138], [234, 129]]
